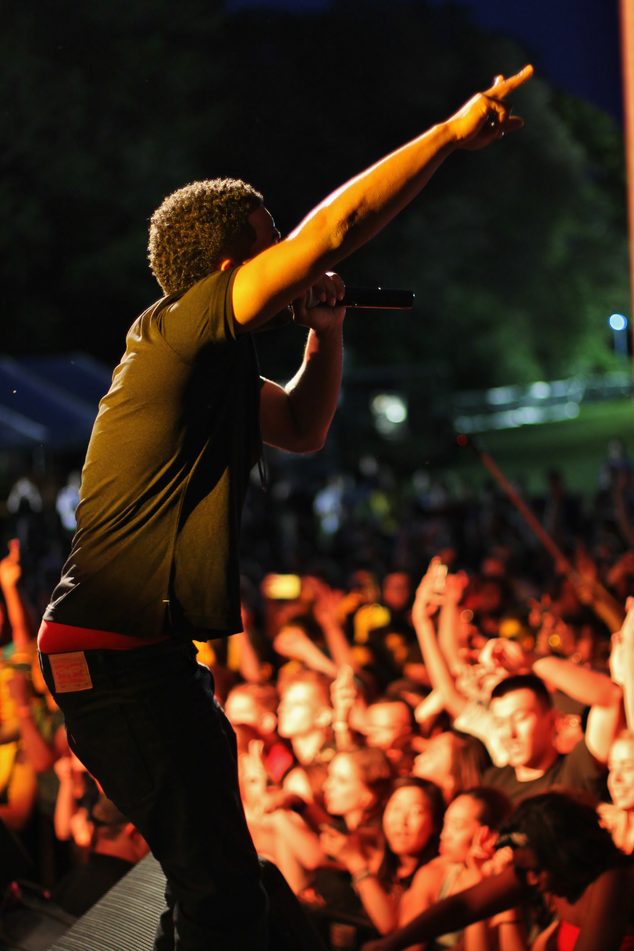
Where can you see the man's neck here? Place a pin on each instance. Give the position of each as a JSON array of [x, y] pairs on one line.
[[526, 774]]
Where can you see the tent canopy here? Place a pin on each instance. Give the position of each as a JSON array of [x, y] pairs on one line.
[[50, 401]]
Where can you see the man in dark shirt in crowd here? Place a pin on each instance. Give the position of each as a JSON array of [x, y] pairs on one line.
[[525, 718], [154, 560]]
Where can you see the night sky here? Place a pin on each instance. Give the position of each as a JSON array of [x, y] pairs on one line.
[[574, 43]]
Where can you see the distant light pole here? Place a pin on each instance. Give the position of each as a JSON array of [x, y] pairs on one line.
[[627, 68], [618, 326]]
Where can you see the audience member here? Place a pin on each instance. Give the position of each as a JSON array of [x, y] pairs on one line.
[[256, 705], [559, 852], [618, 816], [467, 843], [115, 847], [305, 718], [454, 760], [411, 823], [359, 720], [389, 726], [525, 720]]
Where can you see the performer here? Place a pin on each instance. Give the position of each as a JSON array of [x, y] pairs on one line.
[[154, 560]]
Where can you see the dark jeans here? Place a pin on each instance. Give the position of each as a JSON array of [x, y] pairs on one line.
[[152, 734]]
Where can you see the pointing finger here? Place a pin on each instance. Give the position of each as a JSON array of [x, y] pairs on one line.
[[503, 87]]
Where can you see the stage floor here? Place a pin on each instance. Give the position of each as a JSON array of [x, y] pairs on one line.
[[126, 917]]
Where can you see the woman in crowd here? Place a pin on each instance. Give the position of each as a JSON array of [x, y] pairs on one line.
[[355, 789], [355, 792], [411, 823], [453, 760], [559, 852], [618, 816], [467, 845]]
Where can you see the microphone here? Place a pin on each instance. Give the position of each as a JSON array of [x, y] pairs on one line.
[[373, 298], [355, 298]]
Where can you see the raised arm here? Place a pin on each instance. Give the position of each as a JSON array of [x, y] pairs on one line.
[[325, 609], [22, 632], [251, 667], [590, 687], [297, 417], [293, 642], [425, 603], [363, 206], [449, 620]]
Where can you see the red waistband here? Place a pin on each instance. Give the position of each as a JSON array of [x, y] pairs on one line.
[[55, 638]]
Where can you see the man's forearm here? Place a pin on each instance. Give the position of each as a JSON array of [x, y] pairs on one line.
[[437, 668], [488, 897], [353, 214], [583, 684], [313, 392], [22, 632]]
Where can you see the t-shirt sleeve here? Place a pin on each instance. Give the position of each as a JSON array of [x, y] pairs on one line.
[[202, 317], [582, 771]]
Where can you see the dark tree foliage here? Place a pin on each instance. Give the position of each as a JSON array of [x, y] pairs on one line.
[[517, 254]]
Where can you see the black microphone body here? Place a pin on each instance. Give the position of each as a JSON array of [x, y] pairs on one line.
[[377, 298], [355, 298]]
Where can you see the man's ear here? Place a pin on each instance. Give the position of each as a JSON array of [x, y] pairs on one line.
[[226, 264]]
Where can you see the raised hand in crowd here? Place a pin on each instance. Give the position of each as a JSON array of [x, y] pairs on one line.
[[429, 597], [293, 642], [349, 709], [40, 750], [19, 612], [10, 565], [592, 592], [620, 573], [72, 809], [346, 848], [430, 593], [502, 654], [329, 607]]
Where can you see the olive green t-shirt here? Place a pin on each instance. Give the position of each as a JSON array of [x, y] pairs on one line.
[[165, 476]]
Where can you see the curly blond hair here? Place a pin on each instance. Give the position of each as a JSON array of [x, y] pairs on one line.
[[194, 228]]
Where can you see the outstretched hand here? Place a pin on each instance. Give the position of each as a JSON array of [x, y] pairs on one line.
[[486, 117]]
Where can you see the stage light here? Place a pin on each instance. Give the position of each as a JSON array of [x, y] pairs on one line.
[[617, 322], [390, 413]]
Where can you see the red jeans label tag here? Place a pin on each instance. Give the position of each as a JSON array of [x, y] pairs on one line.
[[70, 672]]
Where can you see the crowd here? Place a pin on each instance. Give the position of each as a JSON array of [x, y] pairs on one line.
[[435, 722]]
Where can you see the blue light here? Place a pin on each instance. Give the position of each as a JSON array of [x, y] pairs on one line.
[[617, 322]]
